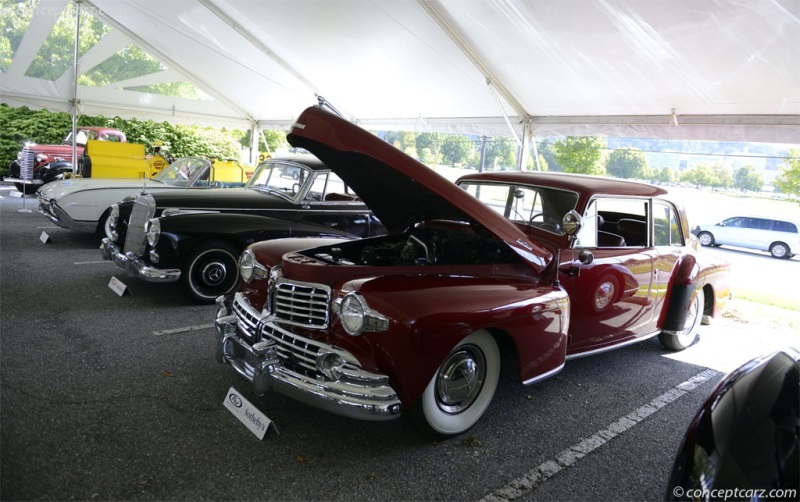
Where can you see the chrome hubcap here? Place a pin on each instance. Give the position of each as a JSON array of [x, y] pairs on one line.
[[604, 295], [460, 379], [214, 273]]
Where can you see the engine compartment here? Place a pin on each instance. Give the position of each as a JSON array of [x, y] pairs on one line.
[[443, 243]]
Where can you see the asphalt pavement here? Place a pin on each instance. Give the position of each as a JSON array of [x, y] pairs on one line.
[[109, 397]]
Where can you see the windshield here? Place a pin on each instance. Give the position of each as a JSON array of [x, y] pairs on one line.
[[281, 177], [82, 136], [187, 171], [525, 205]]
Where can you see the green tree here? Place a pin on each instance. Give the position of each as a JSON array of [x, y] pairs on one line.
[[747, 178], [429, 147], [581, 154], [698, 175], [56, 55], [13, 23], [788, 181], [547, 151], [627, 163], [664, 175], [500, 152], [405, 141], [275, 140], [456, 149], [721, 176]]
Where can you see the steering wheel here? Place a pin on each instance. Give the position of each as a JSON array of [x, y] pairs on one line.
[[545, 225], [536, 216]]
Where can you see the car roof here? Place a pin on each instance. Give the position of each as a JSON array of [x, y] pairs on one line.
[[307, 160], [582, 184]]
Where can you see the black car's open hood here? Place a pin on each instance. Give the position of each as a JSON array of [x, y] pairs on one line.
[[397, 188]]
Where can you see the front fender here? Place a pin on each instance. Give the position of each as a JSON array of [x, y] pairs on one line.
[[680, 291], [182, 231], [429, 315], [55, 171]]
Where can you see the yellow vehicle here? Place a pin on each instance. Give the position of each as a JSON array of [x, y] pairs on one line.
[[106, 159]]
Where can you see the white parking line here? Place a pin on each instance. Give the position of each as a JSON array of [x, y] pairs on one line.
[[95, 262], [572, 455], [188, 329]]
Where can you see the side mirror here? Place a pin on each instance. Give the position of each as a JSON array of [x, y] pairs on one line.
[[572, 222]]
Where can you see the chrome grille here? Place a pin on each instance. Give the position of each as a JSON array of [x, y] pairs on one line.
[[26, 164], [300, 303], [144, 208], [247, 319], [295, 352]]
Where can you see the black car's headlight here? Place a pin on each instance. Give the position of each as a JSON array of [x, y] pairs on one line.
[[111, 222], [152, 231], [357, 317], [249, 268]]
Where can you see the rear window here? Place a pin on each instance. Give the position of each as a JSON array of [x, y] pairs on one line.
[[785, 226]]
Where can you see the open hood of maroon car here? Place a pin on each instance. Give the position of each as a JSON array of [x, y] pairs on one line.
[[400, 190]]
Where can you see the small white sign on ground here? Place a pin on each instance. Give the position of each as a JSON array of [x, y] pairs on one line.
[[118, 286], [249, 415], [45, 238]]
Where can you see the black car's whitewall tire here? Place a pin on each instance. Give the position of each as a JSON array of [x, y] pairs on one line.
[[688, 335], [462, 388], [209, 270]]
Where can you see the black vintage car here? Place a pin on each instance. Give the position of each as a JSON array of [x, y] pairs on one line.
[[195, 237]]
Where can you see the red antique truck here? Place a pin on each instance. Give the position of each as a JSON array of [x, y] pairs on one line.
[[541, 267], [102, 153]]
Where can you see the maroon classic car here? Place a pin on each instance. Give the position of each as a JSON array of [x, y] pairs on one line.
[[541, 267]]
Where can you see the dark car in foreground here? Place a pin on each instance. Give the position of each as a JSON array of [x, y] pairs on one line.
[[195, 237], [538, 267], [744, 442]]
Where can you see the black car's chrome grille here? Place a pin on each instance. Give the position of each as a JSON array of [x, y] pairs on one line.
[[144, 208], [301, 303]]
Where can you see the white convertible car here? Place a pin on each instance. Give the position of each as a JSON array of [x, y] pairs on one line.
[[82, 204]]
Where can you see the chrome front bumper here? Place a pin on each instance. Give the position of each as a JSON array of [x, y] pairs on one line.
[[358, 394], [62, 219], [134, 265], [23, 181]]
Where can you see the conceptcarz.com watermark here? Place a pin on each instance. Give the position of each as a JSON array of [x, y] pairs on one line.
[[28, 9], [680, 492]]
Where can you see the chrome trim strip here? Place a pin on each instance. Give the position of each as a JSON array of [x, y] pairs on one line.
[[612, 347], [544, 375]]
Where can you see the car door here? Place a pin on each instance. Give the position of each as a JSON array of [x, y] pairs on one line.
[[731, 231], [612, 295], [669, 242], [329, 202]]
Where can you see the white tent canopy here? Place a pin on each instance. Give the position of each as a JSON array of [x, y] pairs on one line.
[[691, 69]]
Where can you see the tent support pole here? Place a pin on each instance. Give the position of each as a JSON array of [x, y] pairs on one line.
[[255, 133], [77, 168]]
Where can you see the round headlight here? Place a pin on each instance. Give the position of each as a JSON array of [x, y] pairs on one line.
[[351, 314], [113, 216], [247, 263], [111, 223], [152, 230]]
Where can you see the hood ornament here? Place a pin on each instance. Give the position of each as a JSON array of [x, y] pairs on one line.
[[324, 103]]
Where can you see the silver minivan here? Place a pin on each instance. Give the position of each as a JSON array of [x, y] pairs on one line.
[[779, 237]]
